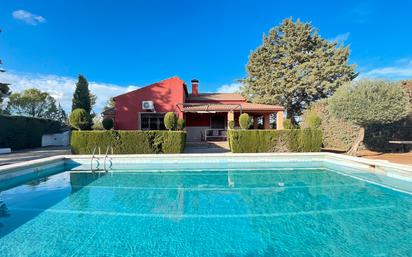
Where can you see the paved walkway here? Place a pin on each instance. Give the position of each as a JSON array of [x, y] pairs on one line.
[[401, 158], [207, 147], [32, 154]]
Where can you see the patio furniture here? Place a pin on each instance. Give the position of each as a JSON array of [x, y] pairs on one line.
[[403, 143]]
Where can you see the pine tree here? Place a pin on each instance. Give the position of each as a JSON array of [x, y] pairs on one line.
[[295, 67]]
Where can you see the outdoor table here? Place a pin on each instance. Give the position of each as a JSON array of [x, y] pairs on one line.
[[401, 142]]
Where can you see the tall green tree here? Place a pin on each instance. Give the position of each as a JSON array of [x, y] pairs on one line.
[[84, 99], [81, 96], [34, 103], [294, 67], [368, 102]]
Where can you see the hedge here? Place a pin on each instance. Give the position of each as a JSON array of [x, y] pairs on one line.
[[288, 140], [128, 142], [19, 132]]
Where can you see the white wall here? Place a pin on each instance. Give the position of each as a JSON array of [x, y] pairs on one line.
[[60, 139]]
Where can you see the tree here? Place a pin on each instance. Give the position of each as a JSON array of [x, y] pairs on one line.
[[407, 86], [4, 92], [170, 120], [368, 102], [61, 115], [35, 103], [83, 99], [4, 89], [110, 104], [294, 67], [79, 119]]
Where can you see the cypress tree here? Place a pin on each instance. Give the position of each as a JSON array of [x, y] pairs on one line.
[[81, 98]]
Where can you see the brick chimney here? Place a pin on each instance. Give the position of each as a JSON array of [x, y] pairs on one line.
[[195, 87]]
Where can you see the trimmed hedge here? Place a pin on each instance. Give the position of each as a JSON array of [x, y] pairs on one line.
[[262, 141], [128, 142], [20, 132]]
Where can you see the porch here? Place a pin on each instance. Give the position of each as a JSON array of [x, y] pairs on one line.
[[210, 122]]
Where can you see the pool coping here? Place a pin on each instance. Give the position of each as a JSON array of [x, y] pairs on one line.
[[373, 163]]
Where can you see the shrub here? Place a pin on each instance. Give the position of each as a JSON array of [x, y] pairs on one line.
[[287, 124], [231, 124], [108, 123], [259, 141], [170, 120], [336, 133], [311, 120], [340, 134], [19, 132], [181, 124], [128, 142], [369, 102], [79, 119], [244, 121]]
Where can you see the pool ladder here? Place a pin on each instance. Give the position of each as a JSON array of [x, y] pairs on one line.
[[105, 160]]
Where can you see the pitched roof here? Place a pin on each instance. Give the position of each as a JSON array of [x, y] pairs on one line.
[[216, 97], [244, 107]]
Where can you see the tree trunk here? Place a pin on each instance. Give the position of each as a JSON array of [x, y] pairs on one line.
[[359, 140]]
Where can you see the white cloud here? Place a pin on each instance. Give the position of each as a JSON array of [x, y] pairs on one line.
[[62, 88], [402, 70], [229, 88], [340, 38], [28, 17]]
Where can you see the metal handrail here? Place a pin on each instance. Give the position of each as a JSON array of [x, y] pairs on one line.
[[94, 157], [107, 156]]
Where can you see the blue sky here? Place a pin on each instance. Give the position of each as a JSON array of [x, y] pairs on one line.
[[120, 45]]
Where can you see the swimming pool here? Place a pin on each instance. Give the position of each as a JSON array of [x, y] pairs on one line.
[[257, 205]]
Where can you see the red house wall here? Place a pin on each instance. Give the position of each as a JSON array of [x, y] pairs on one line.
[[165, 95]]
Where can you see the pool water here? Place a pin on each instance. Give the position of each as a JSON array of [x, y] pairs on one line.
[[266, 212]]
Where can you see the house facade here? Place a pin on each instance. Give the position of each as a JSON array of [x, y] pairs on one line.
[[207, 115]]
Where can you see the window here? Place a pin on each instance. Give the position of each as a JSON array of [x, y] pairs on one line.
[[152, 121]]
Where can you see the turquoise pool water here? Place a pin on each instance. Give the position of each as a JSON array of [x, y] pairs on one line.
[[262, 212]]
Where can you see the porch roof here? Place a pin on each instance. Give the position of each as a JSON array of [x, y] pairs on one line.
[[243, 107]]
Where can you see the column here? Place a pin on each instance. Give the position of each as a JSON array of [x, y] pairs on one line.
[[279, 120], [255, 122], [266, 121], [230, 117]]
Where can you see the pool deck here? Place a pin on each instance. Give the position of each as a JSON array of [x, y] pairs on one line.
[[400, 158], [32, 154], [38, 153]]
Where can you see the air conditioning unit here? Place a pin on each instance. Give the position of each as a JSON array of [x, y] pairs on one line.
[[147, 105]]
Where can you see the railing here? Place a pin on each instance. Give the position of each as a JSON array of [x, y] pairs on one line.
[[219, 134], [106, 157], [94, 157]]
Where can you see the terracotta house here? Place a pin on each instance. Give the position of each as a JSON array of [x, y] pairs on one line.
[[206, 114]]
